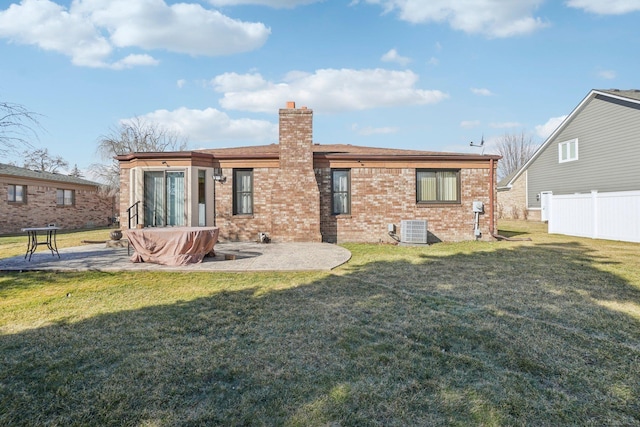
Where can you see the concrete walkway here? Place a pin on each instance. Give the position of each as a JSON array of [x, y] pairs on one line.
[[248, 257]]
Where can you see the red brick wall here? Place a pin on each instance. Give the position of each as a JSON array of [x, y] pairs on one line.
[[246, 227], [295, 198], [286, 200], [387, 196], [91, 209]]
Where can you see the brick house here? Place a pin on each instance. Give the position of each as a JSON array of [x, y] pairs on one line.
[[300, 191], [35, 199], [512, 199]]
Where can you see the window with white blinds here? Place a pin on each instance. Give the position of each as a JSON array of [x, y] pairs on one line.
[[437, 186]]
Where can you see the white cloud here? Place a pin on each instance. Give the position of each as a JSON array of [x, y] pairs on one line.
[[469, 124], [51, 27], [481, 92], [543, 131], [368, 130], [181, 83], [270, 3], [606, 7], [131, 61], [213, 126], [607, 74], [326, 90], [505, 125], [88, 31], [181, 27], [393, 56], [493, 18], [233, 82]]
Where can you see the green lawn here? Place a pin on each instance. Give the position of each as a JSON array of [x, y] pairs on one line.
[[17, 245], [535, 333]]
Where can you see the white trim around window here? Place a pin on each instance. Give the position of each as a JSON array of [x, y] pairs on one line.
[[568, 151]]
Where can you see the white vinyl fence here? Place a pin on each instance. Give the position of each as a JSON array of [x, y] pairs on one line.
[[613, 216]]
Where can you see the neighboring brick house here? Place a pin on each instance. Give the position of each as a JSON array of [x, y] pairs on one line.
[[512, 200], [300, 191], [35, 199]]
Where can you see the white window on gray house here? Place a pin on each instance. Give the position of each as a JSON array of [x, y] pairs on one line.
[[243, 192], [65, 197], [17, 193], [341, 191], [568, 151], [437, 186]]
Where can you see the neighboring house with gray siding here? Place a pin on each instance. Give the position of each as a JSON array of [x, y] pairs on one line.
[[596, 148]]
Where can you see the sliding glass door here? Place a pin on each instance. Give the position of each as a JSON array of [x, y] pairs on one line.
[[164, 199]]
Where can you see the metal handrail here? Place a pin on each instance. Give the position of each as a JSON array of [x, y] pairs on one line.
[[135, 215], [130, 215]]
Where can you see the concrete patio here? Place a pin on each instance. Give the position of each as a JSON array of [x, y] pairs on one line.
[[248, 256]]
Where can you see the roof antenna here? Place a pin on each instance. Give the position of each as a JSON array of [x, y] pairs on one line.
[[472, 144]]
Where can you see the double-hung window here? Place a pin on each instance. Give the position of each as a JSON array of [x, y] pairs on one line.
[[568, 151], [341, 191], [437, 186], [243, 192], [65, 197], [17, 193]]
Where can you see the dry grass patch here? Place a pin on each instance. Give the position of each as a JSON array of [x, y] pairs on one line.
[[477, 333]]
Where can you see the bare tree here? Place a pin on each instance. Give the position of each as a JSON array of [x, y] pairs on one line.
[[516, 150], [75, 172], [41, 160], [17, 126], [131, 136]]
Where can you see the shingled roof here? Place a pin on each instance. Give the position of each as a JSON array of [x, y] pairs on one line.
[[16, 171], [327, 149], [628, 93]]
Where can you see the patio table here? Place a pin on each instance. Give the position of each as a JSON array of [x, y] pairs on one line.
[[172, 245], [49, 234]]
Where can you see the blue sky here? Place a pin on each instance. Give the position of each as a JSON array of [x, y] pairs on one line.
[[417, 74]]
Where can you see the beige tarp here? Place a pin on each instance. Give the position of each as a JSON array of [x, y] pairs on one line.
[[172, 245]]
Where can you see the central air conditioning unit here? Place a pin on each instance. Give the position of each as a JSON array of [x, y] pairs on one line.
[[413, 231]]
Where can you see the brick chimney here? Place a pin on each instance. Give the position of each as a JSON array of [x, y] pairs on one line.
[[295, 197], [296, 137]]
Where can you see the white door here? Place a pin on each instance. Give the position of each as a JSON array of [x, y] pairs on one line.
[[545, 205]]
